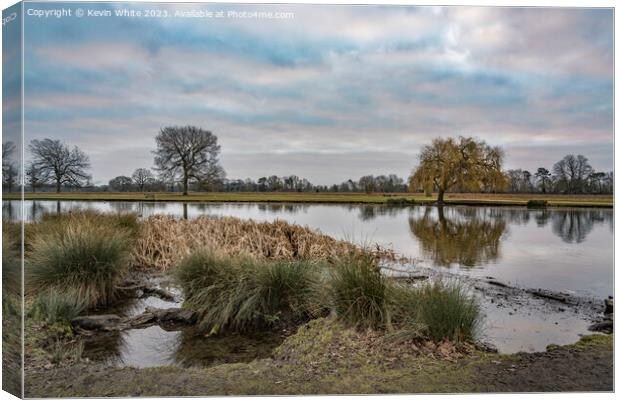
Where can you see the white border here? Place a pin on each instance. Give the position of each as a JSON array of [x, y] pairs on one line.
[[506, 3]]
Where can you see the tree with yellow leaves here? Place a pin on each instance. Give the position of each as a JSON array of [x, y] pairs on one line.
[[464, 163]]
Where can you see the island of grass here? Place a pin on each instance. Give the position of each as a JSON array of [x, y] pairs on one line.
[[396, 199], [352, 329]]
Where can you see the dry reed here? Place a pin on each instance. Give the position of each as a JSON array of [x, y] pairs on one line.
[[164, 240]]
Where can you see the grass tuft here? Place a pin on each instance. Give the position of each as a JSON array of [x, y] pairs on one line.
[[54, 307], [82, 255], [446, 310], [358, 291], [238, 293]]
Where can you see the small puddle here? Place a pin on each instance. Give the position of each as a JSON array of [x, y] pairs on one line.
[[155, 347], [530, 328], [513, 320]]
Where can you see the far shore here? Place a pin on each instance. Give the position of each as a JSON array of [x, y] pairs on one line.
[[553, 200]]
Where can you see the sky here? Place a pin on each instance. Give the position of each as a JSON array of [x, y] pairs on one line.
[[333, 93]]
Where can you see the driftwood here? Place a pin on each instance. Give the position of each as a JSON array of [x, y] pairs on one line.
[[148, 290], [497, 283], [547, 294], [151, 316]]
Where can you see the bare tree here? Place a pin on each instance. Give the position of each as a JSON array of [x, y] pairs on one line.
[[367, 183], [9, 171], [142, 177], [188, 153], [9, 177], [59, 164], [33, 176], [572, 171], [121, 183]]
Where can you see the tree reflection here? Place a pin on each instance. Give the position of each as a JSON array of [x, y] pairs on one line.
[[573, 226], [464, 236], [542, 217], [370, 212]]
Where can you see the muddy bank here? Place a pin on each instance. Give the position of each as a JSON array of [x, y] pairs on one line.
[[337, 362], [520, 318], [323, 357]]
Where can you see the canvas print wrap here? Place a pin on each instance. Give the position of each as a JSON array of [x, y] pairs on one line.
[[207, 199]]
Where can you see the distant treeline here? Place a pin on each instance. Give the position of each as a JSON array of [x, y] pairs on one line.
[[186, 158], [572, 174]]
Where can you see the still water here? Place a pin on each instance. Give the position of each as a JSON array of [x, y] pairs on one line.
[[155, 346], [562, 249]]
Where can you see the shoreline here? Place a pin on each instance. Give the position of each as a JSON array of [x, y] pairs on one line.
[[400, 199], [325, 355]]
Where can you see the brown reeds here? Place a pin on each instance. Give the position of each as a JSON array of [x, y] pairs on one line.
[[164, 240]]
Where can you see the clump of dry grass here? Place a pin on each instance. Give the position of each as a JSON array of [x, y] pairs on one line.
[[83, 254], [164, 240], [241, 293]]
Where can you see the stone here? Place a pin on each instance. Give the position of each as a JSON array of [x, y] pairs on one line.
[[605, 326]]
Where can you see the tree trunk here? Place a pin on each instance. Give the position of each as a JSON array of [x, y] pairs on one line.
[[440, 196], [185, 182], [442, 218], [58, 186]]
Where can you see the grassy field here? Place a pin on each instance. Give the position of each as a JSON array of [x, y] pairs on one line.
[[350, 198]]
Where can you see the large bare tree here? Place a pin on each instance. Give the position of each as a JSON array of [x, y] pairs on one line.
[[572, 171], [188, 154], [458, 163], [58, 163]]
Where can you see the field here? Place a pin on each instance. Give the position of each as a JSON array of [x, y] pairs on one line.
[[349, 198]]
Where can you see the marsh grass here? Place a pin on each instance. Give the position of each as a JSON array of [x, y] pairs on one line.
[[440, 310], [241, 292], [11, 265], [84, 255], [126, 221], [359, 290], [448, 311], [55, 307]]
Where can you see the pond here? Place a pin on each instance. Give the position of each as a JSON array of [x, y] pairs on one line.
[[562, 249]]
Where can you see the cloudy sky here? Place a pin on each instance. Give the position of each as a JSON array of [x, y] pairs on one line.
[[336, 92]]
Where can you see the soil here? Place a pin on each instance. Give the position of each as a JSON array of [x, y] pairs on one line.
[[325, 358], [581, 367]]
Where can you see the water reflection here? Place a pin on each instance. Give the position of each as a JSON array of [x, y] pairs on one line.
[[464, 236], [194, 349], [573, 226], [370, 212], [547, 248]]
